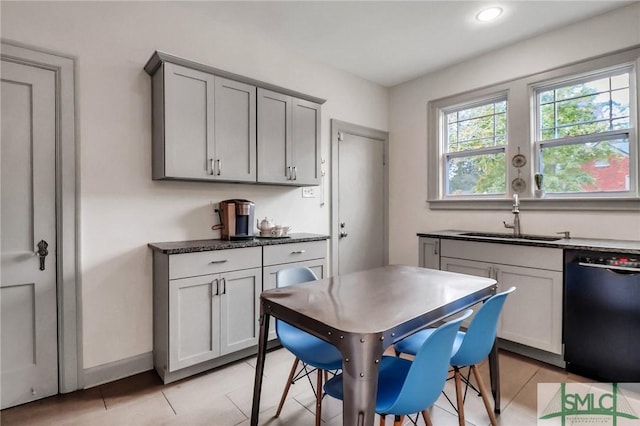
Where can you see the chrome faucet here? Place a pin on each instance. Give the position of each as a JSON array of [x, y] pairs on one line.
[[515, 209]]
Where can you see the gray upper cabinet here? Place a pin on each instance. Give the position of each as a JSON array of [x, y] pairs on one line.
[[288, 140], [234, 154], [204, 126], [213, 125]]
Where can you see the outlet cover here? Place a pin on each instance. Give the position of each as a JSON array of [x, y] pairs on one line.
[[309, 192]]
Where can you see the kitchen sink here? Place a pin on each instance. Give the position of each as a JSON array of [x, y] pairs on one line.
[[511, 236]]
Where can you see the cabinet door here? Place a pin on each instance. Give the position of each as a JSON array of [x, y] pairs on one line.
[[429, 252], [318, 266], [274, 137], [305, 142], [469, 267], [194, 310], [239, 310], [532, 315], [188, 123], [234, 157]]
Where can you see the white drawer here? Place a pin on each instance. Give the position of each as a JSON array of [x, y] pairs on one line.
[[213, 262], [294, 252]]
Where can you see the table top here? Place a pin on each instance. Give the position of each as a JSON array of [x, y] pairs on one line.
[[376, 300]]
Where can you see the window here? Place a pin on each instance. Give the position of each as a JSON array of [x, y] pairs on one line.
[[573, 130], [476, 137], [582, 134]]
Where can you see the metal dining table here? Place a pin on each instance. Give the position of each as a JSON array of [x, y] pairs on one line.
[[362, 314]]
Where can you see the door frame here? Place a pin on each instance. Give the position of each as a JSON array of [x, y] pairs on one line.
[[337, 128], [67, 241]]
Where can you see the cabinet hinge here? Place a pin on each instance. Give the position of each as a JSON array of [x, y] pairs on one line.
[[340, 136]]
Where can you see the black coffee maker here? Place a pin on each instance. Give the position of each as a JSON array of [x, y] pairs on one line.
[[236, 217]]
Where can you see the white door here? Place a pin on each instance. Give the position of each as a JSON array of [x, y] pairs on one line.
[[362, 231], [28, 339]]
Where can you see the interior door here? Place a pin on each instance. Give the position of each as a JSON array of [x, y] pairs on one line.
[[362, 242], [29, 364]]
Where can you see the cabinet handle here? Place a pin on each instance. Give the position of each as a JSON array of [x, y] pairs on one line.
[[224, 286], [219, 166], [213, 262], [295, 173], [288, 173], [298, 252], [217, 286], [436, 247], [493, 271], [211, 166]]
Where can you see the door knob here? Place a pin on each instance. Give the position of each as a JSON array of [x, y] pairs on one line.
[[343, 235], [42, 252]]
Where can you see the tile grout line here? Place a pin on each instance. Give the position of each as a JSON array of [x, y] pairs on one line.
[[168, 402], [104, 401], [226, 395], [521, 389]]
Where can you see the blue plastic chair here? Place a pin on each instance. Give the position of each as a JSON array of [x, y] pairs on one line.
[[469, 348], [406, 387], [312, 351]]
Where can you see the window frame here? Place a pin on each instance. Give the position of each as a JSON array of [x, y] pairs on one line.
[[446, 155], [522, 138], [630, 132]]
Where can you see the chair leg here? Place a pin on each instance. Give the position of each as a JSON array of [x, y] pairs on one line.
[[287, 386], [459, 398], [485, 396], [427, 418], [397, 420], [319, 392]]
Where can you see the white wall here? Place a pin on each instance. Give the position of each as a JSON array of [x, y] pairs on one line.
[[122, 209], [408, 134]]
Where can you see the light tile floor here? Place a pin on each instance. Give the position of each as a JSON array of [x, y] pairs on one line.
[[223, 398]]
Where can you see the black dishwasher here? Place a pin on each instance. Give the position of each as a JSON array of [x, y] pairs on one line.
[[601, 327]]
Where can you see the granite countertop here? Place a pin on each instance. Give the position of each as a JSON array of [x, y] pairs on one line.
[[177, 247], [619, 246]]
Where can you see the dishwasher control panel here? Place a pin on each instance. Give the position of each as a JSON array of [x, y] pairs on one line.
[[604, 260]]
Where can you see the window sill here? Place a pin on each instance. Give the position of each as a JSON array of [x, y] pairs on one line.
[[542, 204]]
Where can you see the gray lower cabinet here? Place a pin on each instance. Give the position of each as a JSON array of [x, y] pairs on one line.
[[206, 304], [532, 316], [429, 252], [203, 126], [205, 308], [288, 140], [306, 254]]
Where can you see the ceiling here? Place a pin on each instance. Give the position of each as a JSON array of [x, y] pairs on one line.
[[390, 42]]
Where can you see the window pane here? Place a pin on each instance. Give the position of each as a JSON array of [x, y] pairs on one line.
[[620, 81], [589, 167], [476, 175], [546, 97], [586, 108], [479, 111], [620, 103]]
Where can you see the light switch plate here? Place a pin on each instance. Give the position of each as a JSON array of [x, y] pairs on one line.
[[309, 192]]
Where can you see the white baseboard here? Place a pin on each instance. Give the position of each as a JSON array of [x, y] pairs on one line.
[[116, 370]]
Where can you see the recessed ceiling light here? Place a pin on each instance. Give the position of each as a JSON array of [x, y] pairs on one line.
[[489, 14]]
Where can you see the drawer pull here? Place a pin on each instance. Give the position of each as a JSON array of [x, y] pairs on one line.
[[298, 252], [214, 262]]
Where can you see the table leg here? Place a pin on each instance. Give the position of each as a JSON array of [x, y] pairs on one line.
[[262, 353], [361, 359], [494, 371]]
